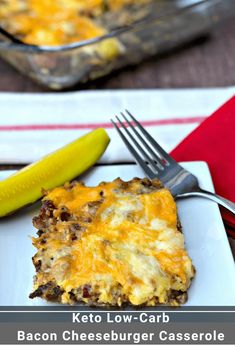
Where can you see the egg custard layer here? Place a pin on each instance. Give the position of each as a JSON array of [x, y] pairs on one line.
[[119, 242]]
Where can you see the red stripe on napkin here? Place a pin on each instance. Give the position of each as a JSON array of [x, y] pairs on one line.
[[30, 127], [214, 142]]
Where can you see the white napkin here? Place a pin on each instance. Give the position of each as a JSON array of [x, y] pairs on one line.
[[32, 125]]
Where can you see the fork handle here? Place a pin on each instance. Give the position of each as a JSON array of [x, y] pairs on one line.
[[229, 205]]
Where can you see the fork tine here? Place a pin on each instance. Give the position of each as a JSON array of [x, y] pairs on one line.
[[159, 149], [159, 161], [141, 150], [138, 158]]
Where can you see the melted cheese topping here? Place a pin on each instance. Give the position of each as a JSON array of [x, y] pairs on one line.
[[44, 22], [132, 242]]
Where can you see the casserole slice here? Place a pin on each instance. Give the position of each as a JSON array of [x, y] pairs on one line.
[[113, 244]]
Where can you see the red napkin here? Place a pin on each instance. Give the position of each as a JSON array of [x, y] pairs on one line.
[[214, 142]]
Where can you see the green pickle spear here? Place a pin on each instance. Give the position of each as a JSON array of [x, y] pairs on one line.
[[25, 186]]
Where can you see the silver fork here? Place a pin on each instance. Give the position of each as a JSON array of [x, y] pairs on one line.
[[156, 163]]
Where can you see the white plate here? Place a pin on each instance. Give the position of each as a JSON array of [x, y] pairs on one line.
[[205, 237]]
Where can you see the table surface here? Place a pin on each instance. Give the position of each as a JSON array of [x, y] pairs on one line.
[[207, 62]]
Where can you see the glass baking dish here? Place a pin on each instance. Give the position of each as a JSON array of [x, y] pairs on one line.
[[156, 27]]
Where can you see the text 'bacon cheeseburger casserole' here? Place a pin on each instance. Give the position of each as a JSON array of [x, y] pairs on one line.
[[119, 242]]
